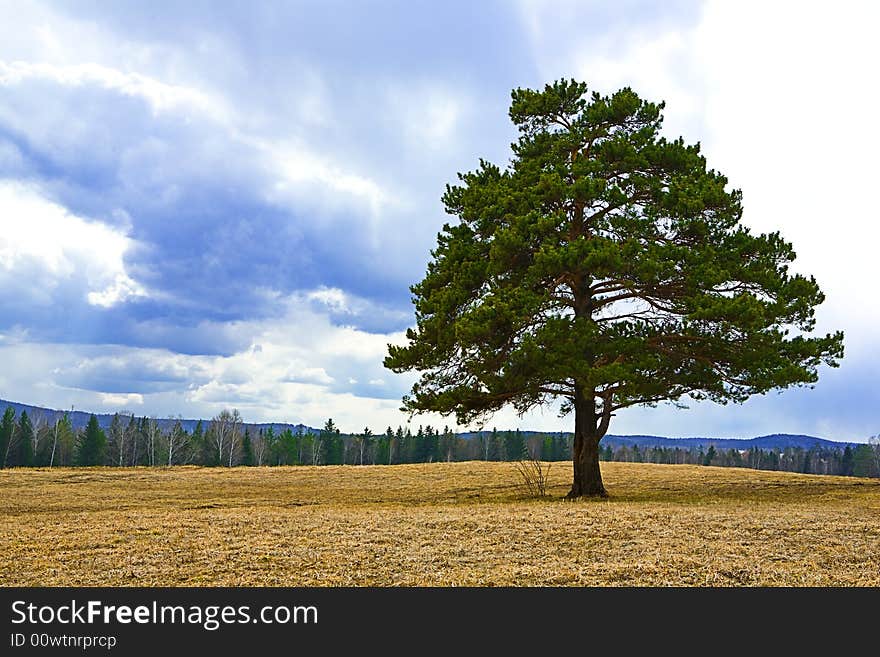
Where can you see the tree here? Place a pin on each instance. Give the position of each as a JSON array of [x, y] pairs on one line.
[[42, 440], [874, 442], [605, 268], [7, 426], [152, 431], [62, 438], [176, 441], [386, 447], [329, 445], [247, 449], [448, 444], [225, 431], [710, 455], [364, 441], [92, 444], [265, 445], [846, 461], [201, 447], [287, 448], [25, 447], [132, 432], [514, 446], [234, 435], [863, 461]]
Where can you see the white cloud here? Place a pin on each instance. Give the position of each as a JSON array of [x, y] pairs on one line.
[[160, 96], [345, 307], [332, 297], [296, 172], [298, 367], [306, 374], [40, 234], [126, 400], [119, 290]]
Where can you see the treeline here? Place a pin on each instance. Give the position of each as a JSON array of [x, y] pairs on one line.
[[226, 441], [863, 461]]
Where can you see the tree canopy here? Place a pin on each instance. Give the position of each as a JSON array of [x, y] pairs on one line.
[[606, 266]]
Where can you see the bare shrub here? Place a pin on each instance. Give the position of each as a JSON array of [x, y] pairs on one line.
[[534, 474]]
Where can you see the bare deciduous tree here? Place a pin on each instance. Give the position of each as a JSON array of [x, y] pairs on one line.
[[317, 446], [363, 441], [874, 442], [152, 438], [259, 447], [235, 435], [117, 434], [176, 438], [55, 431], [226, 431]]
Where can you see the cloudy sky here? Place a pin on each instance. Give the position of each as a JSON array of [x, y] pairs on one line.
[[208, 205]]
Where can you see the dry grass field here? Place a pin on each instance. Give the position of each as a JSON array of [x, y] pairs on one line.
[[456, 524]]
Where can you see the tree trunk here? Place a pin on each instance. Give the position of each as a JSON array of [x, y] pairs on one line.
[[54, 445], [585, 453]]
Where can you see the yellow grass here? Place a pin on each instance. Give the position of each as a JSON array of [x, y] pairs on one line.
[[434, 524]]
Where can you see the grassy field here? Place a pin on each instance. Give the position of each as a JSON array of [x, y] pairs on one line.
[[446, 524]]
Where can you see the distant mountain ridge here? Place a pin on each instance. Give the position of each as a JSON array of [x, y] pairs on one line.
[[780, 441], [80, 419], [771, 441]]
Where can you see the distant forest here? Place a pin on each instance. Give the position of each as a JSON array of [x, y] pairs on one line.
[[225, 440]]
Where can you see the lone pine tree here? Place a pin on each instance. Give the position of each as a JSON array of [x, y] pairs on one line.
[[605, 266]]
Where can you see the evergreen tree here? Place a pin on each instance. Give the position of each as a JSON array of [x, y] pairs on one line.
[[247, 449], [547, 448], [605, 266], [331, 444], [383, 454], [736, 458], [806, 465], [711, 453], [64, 442], [514, 446], [448, 445], [201, 449], [7, 427], [846, 462], [92, 444], [863, 461], [25, 446], [286, 448], [270, 446], [407, 446]]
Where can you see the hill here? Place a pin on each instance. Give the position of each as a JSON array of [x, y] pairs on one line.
[[779, 441], [80, 419]]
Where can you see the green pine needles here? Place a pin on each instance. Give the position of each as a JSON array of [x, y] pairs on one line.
[[606, 266]]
